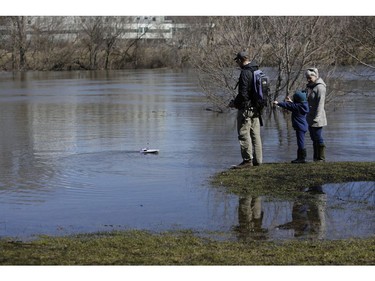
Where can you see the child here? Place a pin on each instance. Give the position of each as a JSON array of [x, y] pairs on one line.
[[299, 108]]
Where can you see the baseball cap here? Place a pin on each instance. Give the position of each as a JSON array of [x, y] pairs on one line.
[[241, 55]]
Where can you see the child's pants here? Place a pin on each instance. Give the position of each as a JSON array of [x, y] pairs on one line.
[[300, 139]]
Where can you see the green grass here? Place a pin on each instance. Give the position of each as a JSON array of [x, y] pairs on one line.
[[182, 248], [286, 179]]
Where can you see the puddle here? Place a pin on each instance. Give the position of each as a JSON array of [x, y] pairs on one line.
[[331, 211]]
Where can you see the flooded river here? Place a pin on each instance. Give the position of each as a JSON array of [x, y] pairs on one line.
[[70, 160]]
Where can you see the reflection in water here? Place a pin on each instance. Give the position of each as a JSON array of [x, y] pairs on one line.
[[308, 214], [331, 211], [250, 216]]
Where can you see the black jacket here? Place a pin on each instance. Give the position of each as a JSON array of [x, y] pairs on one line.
[[245, 86]]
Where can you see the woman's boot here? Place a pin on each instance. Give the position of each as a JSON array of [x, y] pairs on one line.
[[321, 156]]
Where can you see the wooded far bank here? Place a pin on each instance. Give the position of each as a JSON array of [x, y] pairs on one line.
[[95, 43]]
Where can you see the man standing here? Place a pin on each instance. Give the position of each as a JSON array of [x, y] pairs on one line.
[[248, 123]]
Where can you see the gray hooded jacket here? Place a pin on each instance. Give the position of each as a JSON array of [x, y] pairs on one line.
[[316, 95]]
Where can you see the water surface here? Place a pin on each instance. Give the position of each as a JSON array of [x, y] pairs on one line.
[[70, 161]]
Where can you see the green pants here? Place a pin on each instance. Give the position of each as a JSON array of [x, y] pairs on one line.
[[248, 128]]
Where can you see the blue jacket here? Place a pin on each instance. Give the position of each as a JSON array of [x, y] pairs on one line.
[[299, 111]]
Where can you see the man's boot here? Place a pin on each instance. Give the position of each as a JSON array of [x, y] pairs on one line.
[[244, 164], [321, 157], [301, 156]]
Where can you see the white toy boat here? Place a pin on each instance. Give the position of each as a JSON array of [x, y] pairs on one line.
[[149, 150]]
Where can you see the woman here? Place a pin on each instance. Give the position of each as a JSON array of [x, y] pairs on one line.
[[316, 118]]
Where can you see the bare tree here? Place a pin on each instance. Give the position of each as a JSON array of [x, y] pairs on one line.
[[290, 44], [129, 51], [48, 43], [112, 31], [357, 44], [91, 30], [298, 43], [287, 44], [213, 48], [4, 38], [19, 41]]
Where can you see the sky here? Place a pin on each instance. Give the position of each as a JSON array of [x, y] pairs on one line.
[[186, 8]]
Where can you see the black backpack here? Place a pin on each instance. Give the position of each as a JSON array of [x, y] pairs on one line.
[[261, 87]]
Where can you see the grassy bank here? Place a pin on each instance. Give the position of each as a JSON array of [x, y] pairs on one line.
[[287, 180], [142, 248], [186, 248]]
